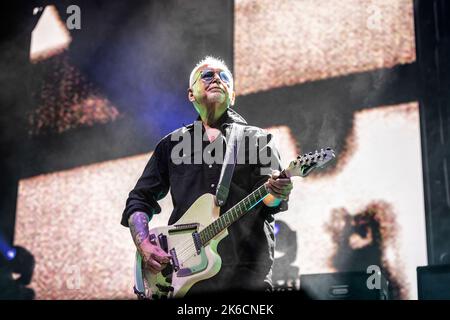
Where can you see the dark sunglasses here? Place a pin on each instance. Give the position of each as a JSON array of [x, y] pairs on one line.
[[207, 76]]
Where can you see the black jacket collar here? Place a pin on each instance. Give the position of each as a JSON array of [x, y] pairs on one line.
[[228, 117]]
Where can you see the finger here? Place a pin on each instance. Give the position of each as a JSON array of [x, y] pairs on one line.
[[275, 173], [285, 182], [163, 266], [276, 188], [285, 196], [161, 253], [281, 182], [280, 186], [284, 189], [154, 264], [165, 254], [160, 259], [282, 196], [150, 266], [152, 270], [287, 191], [279, 194], [157, 258], [275, 193]]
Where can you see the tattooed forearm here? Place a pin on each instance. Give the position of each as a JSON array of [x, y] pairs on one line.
[[138, 223]]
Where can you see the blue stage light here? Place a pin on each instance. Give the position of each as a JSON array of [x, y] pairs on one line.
[[11, 254], [6, 249]]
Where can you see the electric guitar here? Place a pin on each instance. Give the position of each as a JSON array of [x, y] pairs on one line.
[[192, 241]]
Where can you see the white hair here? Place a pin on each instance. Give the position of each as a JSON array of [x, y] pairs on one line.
[[212, 61]]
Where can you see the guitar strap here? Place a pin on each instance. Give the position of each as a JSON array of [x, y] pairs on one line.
[[229, 162]]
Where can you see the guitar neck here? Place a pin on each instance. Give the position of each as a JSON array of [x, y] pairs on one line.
[[234, 214]]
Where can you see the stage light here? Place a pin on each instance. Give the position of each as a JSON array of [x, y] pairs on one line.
[[11, 254], [6, 250]]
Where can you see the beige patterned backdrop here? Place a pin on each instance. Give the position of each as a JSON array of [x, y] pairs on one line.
[[70, 220], [282, 43]]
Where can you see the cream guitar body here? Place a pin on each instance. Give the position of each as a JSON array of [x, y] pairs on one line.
[[193, 266]]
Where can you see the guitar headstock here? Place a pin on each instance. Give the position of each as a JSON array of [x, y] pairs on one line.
[[304, 164]]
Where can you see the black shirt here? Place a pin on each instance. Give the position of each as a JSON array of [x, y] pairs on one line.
[[248, 250]]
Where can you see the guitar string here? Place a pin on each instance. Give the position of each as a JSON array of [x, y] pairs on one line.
[[185, 252]]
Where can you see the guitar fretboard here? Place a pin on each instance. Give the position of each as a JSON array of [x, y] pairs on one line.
[[233, 214]]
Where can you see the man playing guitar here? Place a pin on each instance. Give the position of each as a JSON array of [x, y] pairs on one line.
[[247, 252]]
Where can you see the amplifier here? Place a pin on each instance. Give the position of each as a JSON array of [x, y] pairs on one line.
[[344, 286], [433, 282]]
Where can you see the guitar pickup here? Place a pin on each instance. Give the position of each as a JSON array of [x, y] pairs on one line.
[[162, 239], [197, 242], [175, 263], [185, 227]]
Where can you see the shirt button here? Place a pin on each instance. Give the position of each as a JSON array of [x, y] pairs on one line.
[[210, 166], [213, 185]]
